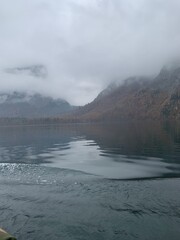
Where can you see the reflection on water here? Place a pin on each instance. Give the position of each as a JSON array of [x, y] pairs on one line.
[[59, 182], [121, 151]]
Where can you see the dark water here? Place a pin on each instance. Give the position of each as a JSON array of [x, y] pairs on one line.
[[118, 181]]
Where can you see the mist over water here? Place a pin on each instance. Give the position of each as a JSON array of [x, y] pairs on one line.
[[91, 181]]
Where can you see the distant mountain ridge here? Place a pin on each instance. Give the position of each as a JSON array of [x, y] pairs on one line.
[[24, 105], [137, 98]]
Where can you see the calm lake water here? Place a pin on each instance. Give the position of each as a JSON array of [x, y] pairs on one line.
[[102, 181]]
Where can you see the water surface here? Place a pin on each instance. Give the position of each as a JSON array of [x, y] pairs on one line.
[[100, 181]]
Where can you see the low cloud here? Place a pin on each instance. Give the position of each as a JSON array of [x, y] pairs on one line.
[[85, 44]]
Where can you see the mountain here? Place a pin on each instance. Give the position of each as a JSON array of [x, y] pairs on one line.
[[20, 104], [137, 98]]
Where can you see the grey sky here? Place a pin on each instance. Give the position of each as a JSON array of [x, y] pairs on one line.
[[85, 44]]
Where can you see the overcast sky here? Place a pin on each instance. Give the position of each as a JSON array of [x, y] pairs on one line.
[[85, 44]]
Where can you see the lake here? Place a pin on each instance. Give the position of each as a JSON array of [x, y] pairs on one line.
[[91, 181]]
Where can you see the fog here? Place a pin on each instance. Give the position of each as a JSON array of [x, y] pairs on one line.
[[85, 44]]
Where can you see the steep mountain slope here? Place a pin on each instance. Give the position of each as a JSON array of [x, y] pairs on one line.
[[18, 104], [137, 98]]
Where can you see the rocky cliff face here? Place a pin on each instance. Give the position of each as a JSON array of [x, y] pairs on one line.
[[137, 98]]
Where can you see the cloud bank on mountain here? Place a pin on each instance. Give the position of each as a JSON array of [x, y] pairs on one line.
[[84, 45]]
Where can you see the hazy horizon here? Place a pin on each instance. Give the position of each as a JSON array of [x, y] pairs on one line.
[[84, 45]]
